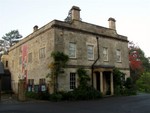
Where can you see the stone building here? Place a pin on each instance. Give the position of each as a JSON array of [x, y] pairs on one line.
[[95, 48]]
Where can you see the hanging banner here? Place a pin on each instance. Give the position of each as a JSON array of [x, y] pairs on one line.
[[24, 60]]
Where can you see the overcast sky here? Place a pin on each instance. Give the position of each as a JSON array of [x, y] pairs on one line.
[[132, 16]]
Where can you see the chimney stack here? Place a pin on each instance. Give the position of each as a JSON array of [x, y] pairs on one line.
[[112, 24], [75, 13], [35, 28]]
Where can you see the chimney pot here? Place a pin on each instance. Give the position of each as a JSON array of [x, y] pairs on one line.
[[75, 13], [35, 28], [112, 24]]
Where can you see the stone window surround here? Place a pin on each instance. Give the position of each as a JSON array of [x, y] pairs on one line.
[[42, 52], [92, 55], [72, 49], [72, 80], [30, 57], [105, 54], [118, 55]]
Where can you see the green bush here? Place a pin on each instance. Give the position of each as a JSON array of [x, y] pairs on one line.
[[143, 83], [122, 86], [80, 93], [86, 93], [43, 95], [32, 95], [128, 92], [119, 81], [39, 95], [56, 97]]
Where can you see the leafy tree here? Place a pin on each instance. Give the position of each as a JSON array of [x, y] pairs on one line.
[[14, 34], [143, 83], [138, 62]]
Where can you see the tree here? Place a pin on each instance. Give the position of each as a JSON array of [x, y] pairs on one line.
[[138, 62], [12, 35], [143, 82]]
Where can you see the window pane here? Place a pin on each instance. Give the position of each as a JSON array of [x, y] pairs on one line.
[[90, 52], [72, 50], [105, 54], [118, 54], [72, 80]]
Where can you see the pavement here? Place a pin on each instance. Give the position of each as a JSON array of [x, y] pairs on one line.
[[12, 99], [124, 104], [9, 99]]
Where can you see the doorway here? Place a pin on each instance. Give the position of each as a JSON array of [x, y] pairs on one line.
[[106, 82], [98, 81]]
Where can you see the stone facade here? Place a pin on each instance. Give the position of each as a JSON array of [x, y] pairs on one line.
[[30, 57]]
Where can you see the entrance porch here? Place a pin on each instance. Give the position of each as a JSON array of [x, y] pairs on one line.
[[103, 81]]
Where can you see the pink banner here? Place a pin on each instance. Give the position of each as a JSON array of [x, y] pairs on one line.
[[24, 60]]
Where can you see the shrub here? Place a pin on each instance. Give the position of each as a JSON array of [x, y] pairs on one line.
[[143, 83], [119, 80], [43, 95], [56, 97], [86, 93], [32, 95], [39, 95]]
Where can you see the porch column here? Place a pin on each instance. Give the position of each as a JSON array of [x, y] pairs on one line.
[[111, 84], [101, 82]]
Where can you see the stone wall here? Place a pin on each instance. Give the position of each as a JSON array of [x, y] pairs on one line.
[[38, 67]]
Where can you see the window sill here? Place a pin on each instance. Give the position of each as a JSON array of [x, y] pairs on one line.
[[119, 61], [71, 58], [90, 59], [106, 61]]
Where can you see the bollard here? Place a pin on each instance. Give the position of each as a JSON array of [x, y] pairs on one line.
[[21, 90]]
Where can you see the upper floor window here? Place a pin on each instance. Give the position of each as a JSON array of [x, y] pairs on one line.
[[72, 50], [118, 55], [42, 53], [72, 80], [90, 52], [30, 57], [105, 54]]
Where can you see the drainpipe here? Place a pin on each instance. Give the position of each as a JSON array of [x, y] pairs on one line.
[[98, 56]]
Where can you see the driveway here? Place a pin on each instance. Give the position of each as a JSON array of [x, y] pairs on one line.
[[129, 104]]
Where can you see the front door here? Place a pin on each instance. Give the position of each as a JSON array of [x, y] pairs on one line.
[[106, 86]]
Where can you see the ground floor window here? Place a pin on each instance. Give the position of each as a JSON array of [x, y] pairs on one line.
[[30, 85], [72, 80], [42, 84]]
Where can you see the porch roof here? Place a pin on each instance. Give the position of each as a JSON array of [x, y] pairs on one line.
[[103, 67]]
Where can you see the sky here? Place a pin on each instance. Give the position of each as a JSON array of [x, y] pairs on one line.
[[132, 16]]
